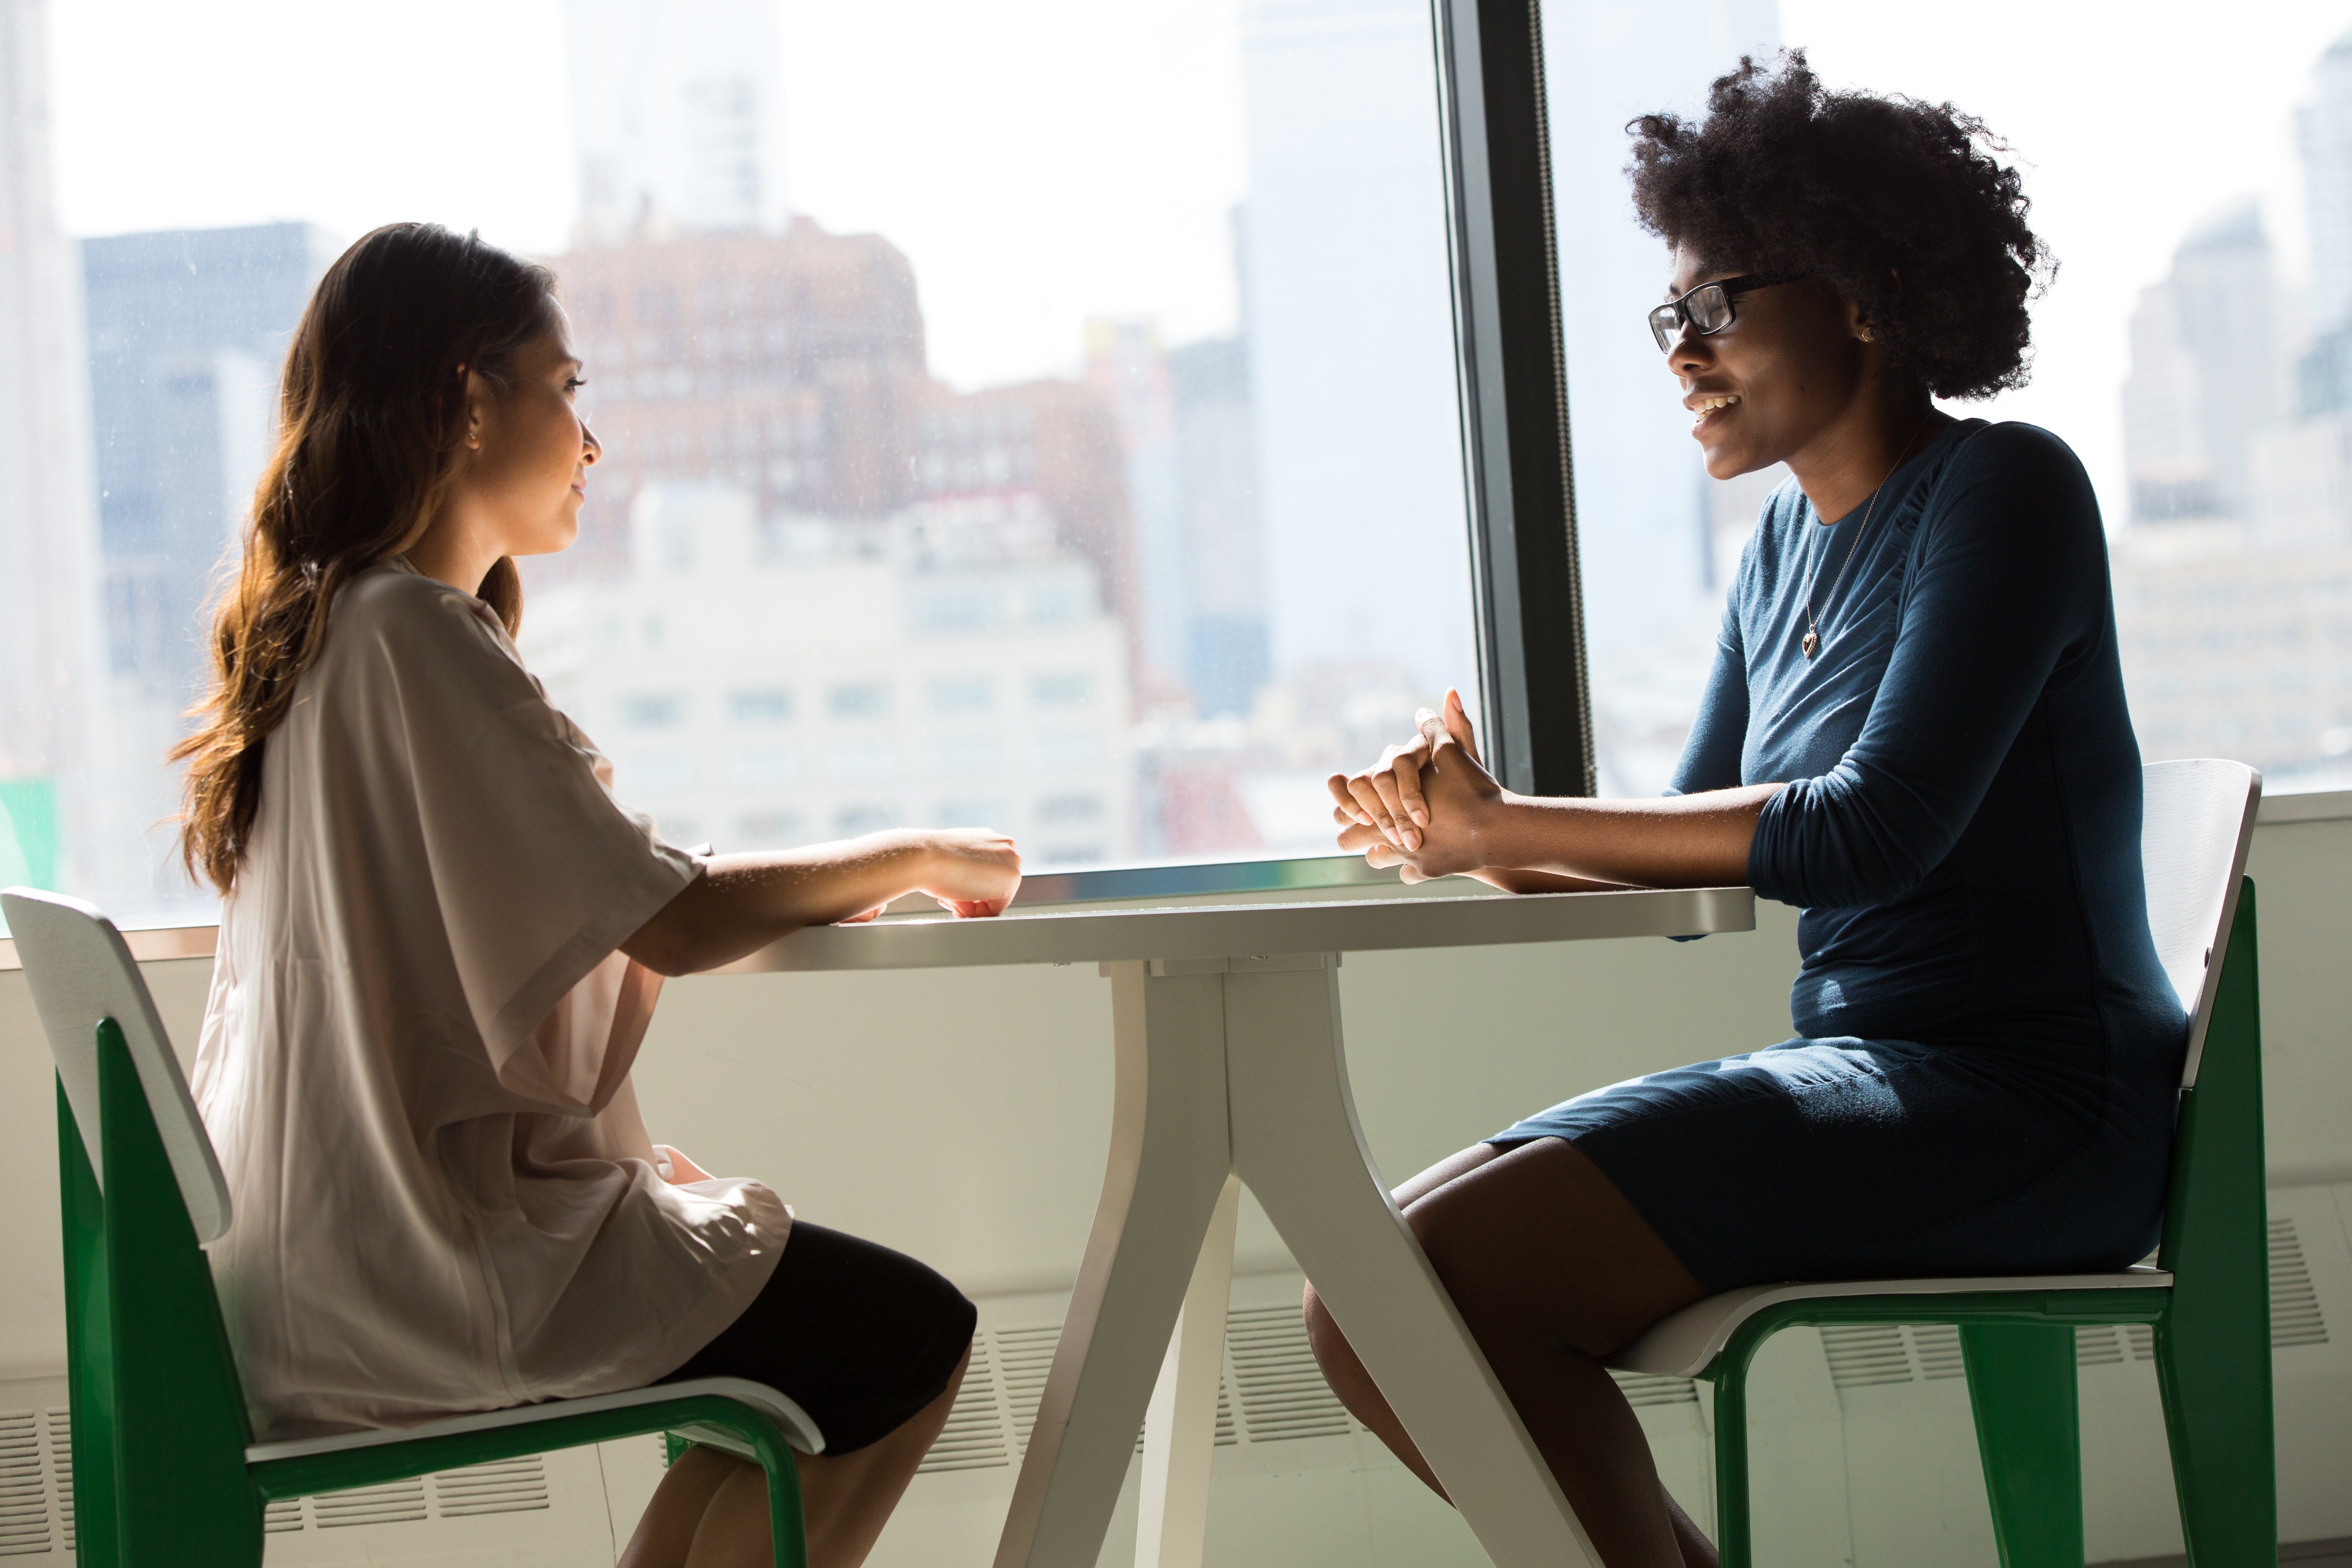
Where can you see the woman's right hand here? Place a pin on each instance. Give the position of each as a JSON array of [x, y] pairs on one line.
[[969, 871], [1386, 796]]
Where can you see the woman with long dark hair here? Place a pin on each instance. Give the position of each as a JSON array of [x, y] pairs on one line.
[[442, 939], [1914, 730]]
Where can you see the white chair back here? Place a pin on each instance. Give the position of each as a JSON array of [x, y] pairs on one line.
[[2196, 823], [80, 972]]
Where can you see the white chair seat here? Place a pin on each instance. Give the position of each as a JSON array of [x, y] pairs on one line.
[[798, 1429], [1685, 1343]]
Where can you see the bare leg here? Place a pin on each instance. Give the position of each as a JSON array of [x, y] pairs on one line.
[[846, 1497], [666, 1529], [1552, 1270]]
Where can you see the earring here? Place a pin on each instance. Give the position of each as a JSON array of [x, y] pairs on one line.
[[1868, 336]]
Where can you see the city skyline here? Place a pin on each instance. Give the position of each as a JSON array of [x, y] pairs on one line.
[[1208, 342]]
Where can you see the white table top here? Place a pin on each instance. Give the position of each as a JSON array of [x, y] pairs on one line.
[[1243, 931]]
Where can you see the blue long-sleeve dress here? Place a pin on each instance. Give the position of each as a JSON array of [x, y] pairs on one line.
[[1991, 1054]]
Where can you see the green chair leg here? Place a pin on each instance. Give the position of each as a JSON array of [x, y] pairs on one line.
[[2029, 1437], [1731, 1525], [2213, 1348]]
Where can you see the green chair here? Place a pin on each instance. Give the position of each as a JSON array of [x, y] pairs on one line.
[[2208, 1297], [166, 1470]]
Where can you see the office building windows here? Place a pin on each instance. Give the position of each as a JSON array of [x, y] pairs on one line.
[[981, 398]]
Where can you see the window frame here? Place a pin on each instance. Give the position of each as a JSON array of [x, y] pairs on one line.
[[1519, 465], [1510, 372]]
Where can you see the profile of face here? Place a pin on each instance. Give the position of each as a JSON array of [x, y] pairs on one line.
[[1777, 379], [527, 450]]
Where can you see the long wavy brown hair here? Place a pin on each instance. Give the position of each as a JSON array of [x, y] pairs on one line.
[[371, 420]]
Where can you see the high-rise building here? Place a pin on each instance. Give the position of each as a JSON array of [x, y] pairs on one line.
[[2324, 137], [49, 633], [677, 116], [1349, 316], [2206, 373], [1642, 495], [1226, 656], [791, 366], [1127, 367], [761, 686], [187, 330], [1186, 426]]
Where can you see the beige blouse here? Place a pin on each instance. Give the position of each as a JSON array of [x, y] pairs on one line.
[[415, 1056]]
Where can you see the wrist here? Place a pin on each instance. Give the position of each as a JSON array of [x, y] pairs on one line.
[[1493, 827]]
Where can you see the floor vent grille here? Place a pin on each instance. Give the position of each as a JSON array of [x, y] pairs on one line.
[[1024, 1357], [2296, 1318], [398, 1502], [973, 1439], [1644, 1391], [1871, 1355], [1270, 1390], [508, 1486], [1866, 1355], [1282, 1394], [24, 1486]]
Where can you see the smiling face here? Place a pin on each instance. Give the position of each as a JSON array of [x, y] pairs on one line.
[[528, 451], [1787, 370]]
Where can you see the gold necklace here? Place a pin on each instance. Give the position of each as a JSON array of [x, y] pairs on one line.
[[1812, 641]]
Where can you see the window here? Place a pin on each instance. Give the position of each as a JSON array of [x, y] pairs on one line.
[[773, 706], [961, 694], [858, 699], [1139, 417], [2195, 349], [657, 712]]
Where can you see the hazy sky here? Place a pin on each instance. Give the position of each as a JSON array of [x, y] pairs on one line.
[[2132, 122], [1059, 158], [1038, 163]]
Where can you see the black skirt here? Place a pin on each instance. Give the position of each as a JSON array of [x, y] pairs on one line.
[[858, 1335]]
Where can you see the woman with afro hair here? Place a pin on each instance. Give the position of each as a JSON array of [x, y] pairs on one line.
[[1915, 731]]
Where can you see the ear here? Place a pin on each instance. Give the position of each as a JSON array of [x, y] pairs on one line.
[[1856, 324], [476, 396]]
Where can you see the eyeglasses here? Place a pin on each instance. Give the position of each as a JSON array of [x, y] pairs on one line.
[[1707, 308]]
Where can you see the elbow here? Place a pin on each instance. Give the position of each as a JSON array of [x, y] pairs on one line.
[[1828, 850]]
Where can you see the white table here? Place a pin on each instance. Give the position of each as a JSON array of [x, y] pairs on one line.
[[1231, 1069]]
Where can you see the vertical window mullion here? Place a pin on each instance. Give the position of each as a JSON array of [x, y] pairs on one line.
[[1514, 383]]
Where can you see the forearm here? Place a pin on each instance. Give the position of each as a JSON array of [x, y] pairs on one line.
[[1679, 841], [743, 903]]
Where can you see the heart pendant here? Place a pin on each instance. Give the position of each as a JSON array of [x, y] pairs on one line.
[[1811, 643]]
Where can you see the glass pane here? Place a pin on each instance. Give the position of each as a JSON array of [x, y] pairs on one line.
[[1042, 416], [2197, 187]]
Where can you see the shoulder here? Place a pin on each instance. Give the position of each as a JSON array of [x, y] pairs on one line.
[[2018, 482], [391, 619], [2015, 448]]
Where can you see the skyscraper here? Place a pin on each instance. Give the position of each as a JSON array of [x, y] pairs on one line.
[[48, 644], [2205, 373], [1226, 657], [677, 116], [1348, 318], [188, 330], [1640, 494], [2324, 136]]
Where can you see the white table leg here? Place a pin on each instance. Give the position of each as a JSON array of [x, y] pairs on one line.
[[1180, 1430], [1169, 1158], [1297, 1144]]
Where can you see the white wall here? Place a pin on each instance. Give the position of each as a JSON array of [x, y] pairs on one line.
[[963, 1117]]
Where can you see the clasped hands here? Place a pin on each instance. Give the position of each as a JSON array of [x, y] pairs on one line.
[[1427, 807]]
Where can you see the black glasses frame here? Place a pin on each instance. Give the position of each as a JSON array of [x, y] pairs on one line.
[[1710, 302]]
